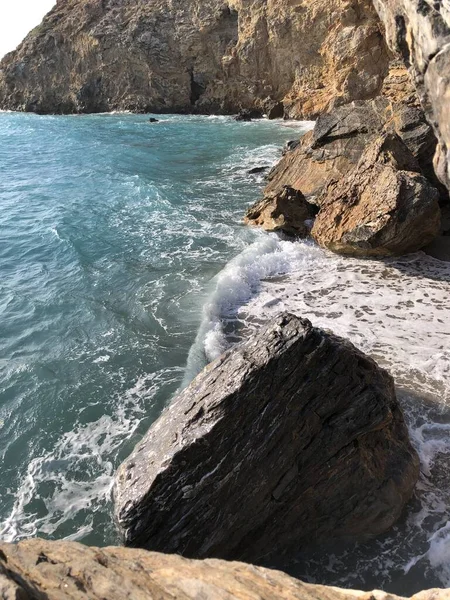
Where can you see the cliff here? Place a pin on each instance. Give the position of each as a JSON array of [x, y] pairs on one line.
[[197, 56], [40, 570]]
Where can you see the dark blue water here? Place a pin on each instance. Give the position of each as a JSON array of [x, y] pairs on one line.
[[111, 230]]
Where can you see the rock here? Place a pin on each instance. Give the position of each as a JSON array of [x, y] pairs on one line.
[[292, 436], [69, 571], [420, 34], [291, 145], [276, 111], [286, 212], [248, 115], [206, 56], [382, 207], [257, 170], [329, 151], [339, 139], [153, 120]]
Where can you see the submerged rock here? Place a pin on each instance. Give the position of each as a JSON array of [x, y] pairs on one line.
[[39, 569], [292, 437], [286, 212], [257, 170], [382, 207], [248, 114]]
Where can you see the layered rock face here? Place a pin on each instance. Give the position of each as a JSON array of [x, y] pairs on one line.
[[368, 168], [197, 56], [293, 436], [382, 207], [41, 570], [420, 33]]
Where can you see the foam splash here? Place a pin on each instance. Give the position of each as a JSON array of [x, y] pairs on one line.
[[235, 286], [77, 475]]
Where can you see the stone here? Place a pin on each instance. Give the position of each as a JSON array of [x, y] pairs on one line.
[[420, 34], [286, 212], [153, 120], [257, 170], [340, 137], [44, 570], [248, 115], [192, 56], [289, 437], [382, 207]]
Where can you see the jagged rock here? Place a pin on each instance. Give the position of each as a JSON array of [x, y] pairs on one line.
[[286, 212], [291, 145], [382, 207], [292, 436], [196, 56], [339, 139], [420, 34], [248, 114], [38, 569], [257, 170]]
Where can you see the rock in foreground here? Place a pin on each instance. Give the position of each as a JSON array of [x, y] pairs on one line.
[[43, 570], [292, 436], [382, 207]]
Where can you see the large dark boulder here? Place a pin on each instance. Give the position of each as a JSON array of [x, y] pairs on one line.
[[292, 437]]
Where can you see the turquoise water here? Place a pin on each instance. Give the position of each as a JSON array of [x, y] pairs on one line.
[[111, 232]]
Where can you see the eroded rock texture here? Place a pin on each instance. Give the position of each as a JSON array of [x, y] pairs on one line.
[[339, 139], [287, 211], [420, 33], [192, 55], [42, 570], [292, 436], [382, 207]]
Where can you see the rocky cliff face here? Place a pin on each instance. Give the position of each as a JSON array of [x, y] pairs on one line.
[[39, 570], [420, 33], [197, 56]]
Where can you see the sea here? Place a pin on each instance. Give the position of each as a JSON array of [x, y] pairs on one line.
[[125, 268]]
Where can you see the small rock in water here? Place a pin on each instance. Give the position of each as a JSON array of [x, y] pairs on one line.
[[256, 170], [292, 437], [153, 120], [248, 114]]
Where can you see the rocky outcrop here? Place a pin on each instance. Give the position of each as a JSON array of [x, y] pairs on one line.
[[42, 570], [339, 139], [197, 56], [287, 211], [382, 207], [292, 436], [420, 33]]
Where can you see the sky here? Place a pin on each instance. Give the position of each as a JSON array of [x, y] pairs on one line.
[[17, 18]]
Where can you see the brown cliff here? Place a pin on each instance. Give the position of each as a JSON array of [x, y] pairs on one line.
[[192, 56]]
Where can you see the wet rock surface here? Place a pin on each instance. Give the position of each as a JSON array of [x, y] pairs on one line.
[[382, 207], [292, 436]]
